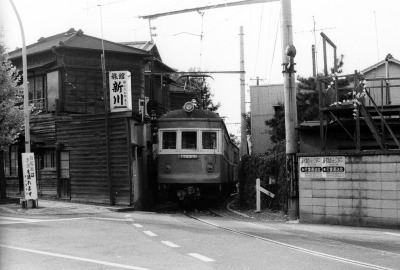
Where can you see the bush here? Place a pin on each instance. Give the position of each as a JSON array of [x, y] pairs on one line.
[[263, 166]]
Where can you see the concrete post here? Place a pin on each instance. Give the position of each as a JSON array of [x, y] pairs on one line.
[[288, 53], [243, 135]]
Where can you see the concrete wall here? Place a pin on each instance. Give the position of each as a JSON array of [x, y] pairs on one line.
[[262, 99], [369, 195]]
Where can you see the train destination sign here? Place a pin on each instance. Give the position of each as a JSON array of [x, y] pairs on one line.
[[188, 156], [322, 167]]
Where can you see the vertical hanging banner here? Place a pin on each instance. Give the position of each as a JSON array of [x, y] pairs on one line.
[[120, 91], [29, 173]]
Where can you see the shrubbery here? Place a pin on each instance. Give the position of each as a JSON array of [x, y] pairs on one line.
[[263, 166]]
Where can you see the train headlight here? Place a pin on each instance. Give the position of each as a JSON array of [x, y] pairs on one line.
[[188, 107], [167, 168], [210, 168]]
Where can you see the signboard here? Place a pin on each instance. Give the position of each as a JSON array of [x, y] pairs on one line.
[[322, 167], [120, 91], [29, 173]]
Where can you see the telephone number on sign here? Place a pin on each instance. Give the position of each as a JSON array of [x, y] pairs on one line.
[[322, 169]]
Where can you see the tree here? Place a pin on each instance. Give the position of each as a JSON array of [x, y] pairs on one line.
[[234, 139], [277, 124], [307, 97], [11, 115]]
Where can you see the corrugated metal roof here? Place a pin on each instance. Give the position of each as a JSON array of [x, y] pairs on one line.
[[75, 39]]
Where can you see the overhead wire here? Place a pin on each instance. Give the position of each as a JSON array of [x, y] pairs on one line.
[[273, 52], [259, 37]]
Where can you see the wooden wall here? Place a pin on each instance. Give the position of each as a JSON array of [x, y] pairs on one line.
[[85, 139], [83, 81], [48, 182]]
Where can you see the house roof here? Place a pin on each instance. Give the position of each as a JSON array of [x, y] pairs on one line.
[[150, 47], [143, 45], [389, 57], [75, 39]]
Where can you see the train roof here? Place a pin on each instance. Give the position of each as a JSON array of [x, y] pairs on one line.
[[195, 114]]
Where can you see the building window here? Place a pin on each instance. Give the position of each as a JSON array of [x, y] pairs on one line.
[[10, 158], [189, 140], [169, 140], [37, 91], [49, 158], [64, 162], [209, 140]]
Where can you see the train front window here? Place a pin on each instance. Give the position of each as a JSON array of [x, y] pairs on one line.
[[209, 140], [189, 140], [169, 140]]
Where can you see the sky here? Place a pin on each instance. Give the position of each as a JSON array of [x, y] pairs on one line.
[[364, 31]]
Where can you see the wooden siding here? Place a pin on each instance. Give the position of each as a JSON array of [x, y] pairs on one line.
[[85, 140], [47, 185], [83, 82], [84, 137], [12, 185], [42, 129], [120, 165], [83, 91]]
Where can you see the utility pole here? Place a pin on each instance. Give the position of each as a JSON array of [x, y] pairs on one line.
[[288, 54], [106, 112], [243, 139]]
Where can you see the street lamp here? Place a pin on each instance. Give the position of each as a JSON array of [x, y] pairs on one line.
[[25, 84]]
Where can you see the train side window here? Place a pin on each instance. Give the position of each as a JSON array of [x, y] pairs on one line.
[[209, 140], [189, 140], [169, 140]]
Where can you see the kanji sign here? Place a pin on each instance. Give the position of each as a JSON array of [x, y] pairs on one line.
[[322, 167], [29, 173], [120, 91]]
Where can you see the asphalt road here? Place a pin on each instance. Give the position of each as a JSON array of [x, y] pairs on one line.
[[143, 240]]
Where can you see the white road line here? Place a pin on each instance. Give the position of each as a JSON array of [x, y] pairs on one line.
[[21, 220], [149, 233], [170, 244], [137, 225], [115, 219], [201, 257], [396, 234], [315, 253], [124, 266]]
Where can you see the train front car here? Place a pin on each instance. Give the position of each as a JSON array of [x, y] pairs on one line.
[[196, 157]]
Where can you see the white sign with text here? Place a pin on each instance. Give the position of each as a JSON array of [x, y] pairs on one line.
[[322, 167], [29, 173], [120, 91]]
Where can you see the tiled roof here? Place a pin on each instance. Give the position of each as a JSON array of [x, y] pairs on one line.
[[75, 39]]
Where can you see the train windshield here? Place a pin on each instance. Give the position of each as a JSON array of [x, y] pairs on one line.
[[169, 140], [209, 140], [189, 140]]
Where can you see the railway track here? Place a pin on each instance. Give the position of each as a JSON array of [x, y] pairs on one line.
[[194, 215]]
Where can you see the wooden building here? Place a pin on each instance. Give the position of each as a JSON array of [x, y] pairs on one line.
[[84, 152]]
